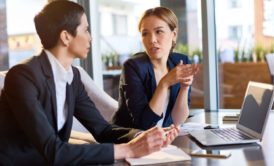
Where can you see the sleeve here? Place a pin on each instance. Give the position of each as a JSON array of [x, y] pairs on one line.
[[22, 91], [134, 90], [89, 116]]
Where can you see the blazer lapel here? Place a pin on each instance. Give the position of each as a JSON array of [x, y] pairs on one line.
[[50, 83], [151, 81], [70, 104]]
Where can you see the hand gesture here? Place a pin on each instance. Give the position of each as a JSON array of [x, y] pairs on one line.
[[182, 73]]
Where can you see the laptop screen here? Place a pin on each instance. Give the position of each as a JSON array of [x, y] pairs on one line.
[[255, 107]]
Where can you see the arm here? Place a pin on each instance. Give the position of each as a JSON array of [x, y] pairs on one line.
[[147, 142], [89, 116], [135, 93], [24, 93], [180, 110]]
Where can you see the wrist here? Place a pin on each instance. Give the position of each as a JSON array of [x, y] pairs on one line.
[[121, 151], [184, 88], [163, 84]]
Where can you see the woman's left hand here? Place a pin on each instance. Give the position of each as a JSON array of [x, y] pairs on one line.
[[171, 133], [187, 81]]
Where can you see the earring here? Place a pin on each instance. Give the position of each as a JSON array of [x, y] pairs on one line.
[[173, 44]]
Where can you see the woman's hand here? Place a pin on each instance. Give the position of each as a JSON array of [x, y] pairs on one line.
[[182, 73], [171, 133], [187, 81], [147, 142]]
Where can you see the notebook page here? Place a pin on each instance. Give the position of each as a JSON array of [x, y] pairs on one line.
[[168, 154]]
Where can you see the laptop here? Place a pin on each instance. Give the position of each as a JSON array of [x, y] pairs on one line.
[[252, 121]]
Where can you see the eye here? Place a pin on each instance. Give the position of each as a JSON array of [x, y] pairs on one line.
[[144, 34], [159, 31]]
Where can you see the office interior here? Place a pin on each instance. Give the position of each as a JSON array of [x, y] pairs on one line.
[[228, 39]]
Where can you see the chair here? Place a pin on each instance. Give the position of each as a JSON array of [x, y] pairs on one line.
[[270, 62]]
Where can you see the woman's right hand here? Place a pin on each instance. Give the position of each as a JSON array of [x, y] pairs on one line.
[[147, 142]]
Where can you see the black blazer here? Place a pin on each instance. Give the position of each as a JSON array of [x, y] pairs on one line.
[[28, 124], [137, 86]]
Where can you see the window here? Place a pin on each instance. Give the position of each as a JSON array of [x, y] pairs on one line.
[[234, 3], [242, 51], [234, 32], [120, 24]]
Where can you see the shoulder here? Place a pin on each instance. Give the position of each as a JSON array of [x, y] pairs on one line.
[[176, 57], [26, 67], [140, 58], [138, 61]]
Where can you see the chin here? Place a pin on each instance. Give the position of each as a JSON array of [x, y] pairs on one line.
[[156, 56]]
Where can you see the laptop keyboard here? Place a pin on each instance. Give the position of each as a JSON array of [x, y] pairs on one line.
[[230, 134]]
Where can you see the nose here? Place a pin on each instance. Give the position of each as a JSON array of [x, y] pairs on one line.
[[89, 37], [153, 38]]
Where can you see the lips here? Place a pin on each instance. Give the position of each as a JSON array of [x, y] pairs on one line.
[[154, 49]]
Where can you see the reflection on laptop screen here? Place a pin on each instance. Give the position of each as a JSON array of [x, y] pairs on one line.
[[256, 105]]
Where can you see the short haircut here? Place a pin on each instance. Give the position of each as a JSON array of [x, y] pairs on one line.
[[162, 13], [55, 17]]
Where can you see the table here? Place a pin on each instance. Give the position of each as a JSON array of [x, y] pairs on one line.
[[250, 154]]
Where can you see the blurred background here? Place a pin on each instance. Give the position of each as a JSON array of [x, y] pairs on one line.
[[244, 35]]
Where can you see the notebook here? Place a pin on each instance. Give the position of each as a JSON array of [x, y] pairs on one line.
[[252, 121], [168, 154]]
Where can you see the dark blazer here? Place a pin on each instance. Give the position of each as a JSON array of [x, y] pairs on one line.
[[28, 123], [137, 86]]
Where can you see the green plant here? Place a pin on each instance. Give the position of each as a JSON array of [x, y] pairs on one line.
[[271, 48], [259, 52], [236, 55], [182, 48], [110, 59]]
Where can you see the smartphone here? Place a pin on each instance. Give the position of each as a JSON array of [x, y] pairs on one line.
[[210, 153], [211, 126]]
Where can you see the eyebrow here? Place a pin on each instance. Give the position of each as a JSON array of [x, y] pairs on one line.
[[159, 27]]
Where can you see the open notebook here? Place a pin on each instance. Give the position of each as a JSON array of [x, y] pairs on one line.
[[168, 154], [252, 121]]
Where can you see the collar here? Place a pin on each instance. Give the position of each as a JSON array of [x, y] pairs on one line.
[[59, 72]]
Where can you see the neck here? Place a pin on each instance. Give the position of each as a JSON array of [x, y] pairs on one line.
[[159, 64], [63, 57]]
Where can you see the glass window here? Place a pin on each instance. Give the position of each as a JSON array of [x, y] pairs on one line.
[[22, 40], [234, 3], [234, 32], [120, 24], [3, 37], [242, 48]]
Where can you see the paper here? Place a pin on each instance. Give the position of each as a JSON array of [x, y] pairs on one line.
[[191, 126], [168, 154]]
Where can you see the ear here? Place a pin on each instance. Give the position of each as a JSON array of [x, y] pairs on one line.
[[175, 31], [65, 38]]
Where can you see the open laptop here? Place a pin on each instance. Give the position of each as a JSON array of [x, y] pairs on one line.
[[252, 121]]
